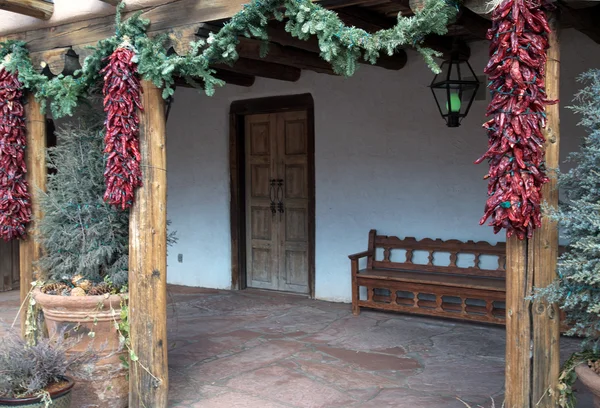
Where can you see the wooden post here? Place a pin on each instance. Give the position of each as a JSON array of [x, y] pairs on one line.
[[518, 325], [533, 329], [543, 250], [149, 384], [35, 158]]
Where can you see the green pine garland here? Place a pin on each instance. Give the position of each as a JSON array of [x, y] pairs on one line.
[[340, 45]]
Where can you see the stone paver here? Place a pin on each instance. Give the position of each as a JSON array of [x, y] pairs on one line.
[[270, 350]]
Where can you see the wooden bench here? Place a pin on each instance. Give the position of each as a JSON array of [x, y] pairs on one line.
[[446, 279]]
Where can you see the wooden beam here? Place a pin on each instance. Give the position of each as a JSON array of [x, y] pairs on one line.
[[112, 2], [166, 18], [584, 20], [533, 330], [30, 249], [263, 69], [364, 18], [58, 61], [579, 4], [446, 46], [475, 24], [249, 48], [235, 78], [543, 248], [41, 9], [231, 78], [148, 261]]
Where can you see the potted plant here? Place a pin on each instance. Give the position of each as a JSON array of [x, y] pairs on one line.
[[35, 375], [577, 289], [82, 274]]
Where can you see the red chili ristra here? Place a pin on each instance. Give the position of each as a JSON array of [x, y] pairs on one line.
[[516, 70], [122, 91], [15, 201]]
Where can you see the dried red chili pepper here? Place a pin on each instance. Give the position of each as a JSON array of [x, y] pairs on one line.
[[122, 91], [516, 143], [15, 201]]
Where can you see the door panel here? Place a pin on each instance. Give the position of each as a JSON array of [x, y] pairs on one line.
[[277, 201], [261, 240], [293, 228]]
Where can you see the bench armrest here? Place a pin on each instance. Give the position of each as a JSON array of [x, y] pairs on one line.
[[360, 255]]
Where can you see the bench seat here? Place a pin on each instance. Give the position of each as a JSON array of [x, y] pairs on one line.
[[438, 279]]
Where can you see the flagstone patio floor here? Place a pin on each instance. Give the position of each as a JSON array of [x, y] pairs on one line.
[[270, 350]]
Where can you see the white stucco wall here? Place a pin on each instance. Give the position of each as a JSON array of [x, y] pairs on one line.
[[384, 159]]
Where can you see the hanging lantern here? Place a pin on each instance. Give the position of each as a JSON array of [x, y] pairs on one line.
[[454, 89]]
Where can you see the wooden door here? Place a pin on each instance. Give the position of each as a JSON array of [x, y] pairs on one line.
[[277, 201], [9, 265]]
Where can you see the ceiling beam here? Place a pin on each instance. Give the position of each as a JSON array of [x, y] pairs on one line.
[[263, 69], [364, 18], [473, 23], [585, 20], [235, 78], [279, 54], [41, 9], [579, 4], [231, 78], [447, 45]]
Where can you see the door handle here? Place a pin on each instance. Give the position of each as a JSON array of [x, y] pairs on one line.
[[273, 197], [280, 207]]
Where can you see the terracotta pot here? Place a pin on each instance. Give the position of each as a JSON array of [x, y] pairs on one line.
[[80, 315], [591, 380], [61, 398]]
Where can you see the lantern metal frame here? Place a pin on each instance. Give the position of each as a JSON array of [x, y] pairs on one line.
[[444, 80]]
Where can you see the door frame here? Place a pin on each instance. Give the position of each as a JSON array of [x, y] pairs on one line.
[[237, 177]]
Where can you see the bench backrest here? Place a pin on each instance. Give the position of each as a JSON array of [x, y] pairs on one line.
[[452, 256]]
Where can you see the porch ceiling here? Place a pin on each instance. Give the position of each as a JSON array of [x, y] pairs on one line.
[[185, 20]]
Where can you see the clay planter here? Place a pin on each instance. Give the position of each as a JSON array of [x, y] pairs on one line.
[[61, 398], [78, 316], [591, 380]]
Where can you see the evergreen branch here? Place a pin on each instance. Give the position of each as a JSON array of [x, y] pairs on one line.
[[340, 45]]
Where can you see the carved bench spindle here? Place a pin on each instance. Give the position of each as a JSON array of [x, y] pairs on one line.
[[438, 303], [477, 261], [416, 299], [453, 258], [489, 308], [502, 263], [430, 258], [387, 252]]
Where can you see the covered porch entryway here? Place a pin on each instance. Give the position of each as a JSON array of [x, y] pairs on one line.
[[380, 159]]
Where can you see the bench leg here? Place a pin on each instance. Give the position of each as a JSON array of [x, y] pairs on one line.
[[355, 294], [355, 308]]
